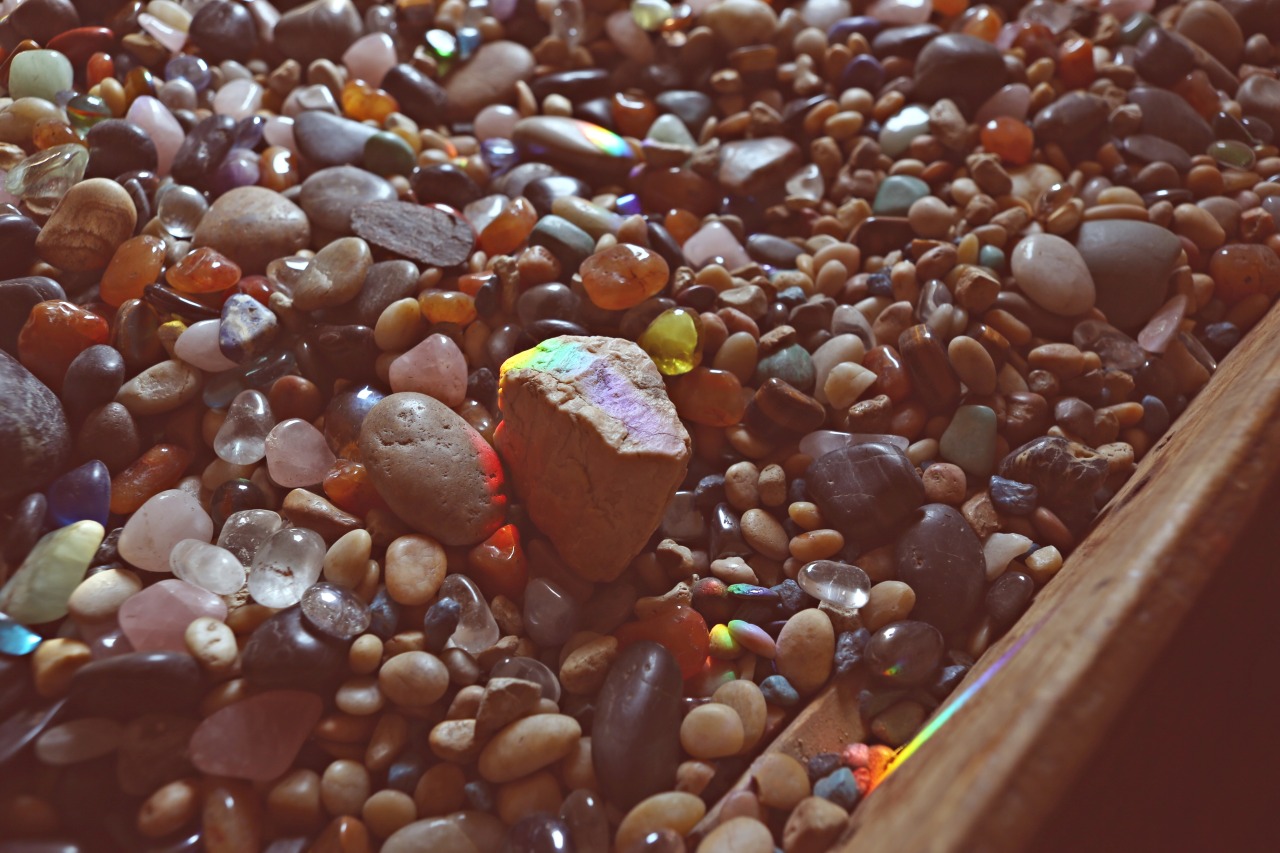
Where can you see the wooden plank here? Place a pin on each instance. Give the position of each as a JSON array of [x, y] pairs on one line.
[[1013, 735], [1021, 725]]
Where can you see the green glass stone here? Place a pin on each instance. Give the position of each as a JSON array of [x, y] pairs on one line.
[[39, 74], [650, 15], [387, 154], [1231, 152], [84, 111], [970, 441], [674, 341], [38, 592], [790, 364], [443, 46], [896, 195], [991, 257], [1134, 26]]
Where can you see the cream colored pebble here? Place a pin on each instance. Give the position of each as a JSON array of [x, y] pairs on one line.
[[211, 643], [713, 730], [672, 810]]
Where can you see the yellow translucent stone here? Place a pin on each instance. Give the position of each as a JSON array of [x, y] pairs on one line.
[[674, 341]]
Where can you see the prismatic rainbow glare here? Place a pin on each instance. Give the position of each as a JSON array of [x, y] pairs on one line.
[[605, 140]]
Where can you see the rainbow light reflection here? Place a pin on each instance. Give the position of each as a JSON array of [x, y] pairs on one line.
[[960, 701], [605, 140]]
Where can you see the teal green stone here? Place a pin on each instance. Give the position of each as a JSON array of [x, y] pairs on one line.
[[39, 74], [1134, 26], [970, 441], [991, 257], [387, 154], [39, 590], [1231, 152], [902, 127], [896, 195], [790, 364]]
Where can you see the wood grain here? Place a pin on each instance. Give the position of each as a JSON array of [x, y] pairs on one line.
[[997, 766]]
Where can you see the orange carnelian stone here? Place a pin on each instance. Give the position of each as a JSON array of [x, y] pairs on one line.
[[498, 564], [278, 169], [950, 8], [1198, 91], [681, 224], [54, 334], [982, 22], [471, 283], [1009, 139], [348, 486], [137, 83], [158, 469], [257, 286], [447, 306], [891, 376], [136, 263], [633, 115], [362, 102], [709, 397], [203, 270], [510, 228], [49, 132], [1075, 63], [682, 630], [99, 67], [623, 276]]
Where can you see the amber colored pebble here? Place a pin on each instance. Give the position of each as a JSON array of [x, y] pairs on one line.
[[622, 276], [664, 189], [49, 132], [982, 22], [54, 334], [158, 469], [510, 228], [136, 263], [447, 306], [709, 397], [950, 8], [932, 376], [1241, 271], [632, 115], [348, 486], [99, 67], [681, 224], [1035, 39], [232, 818], [362, 102], [278, 169], [1009, 139], [295, 397], [257, 286], [892, 378], [137, 83], [498, 564], [1199, 92], [203, 270], [1075, 63], [682, 630], [345, 834]]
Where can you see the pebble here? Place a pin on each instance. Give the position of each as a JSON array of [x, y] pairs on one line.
[[528, 745], [434, 471], [328, 196], [489, 78], [637, 710], [1130, 264], [965, 69], [87, 226], [940, 558], [39, 590], [805, 649], [279, 227], [749, 166], [781, 780], [317, 30], [738, 835], [865, 490], [671, 810], [711, 731], [256, 738], [160, 388], [813, 826], [330, 140], [1050, 271], [34, 439], [427, 235], [334, 276], [158, 525]]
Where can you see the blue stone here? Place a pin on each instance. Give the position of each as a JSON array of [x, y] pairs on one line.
[[896, 195], [193, 69], [991, 257], [81, 494], [778, 691], [247, 328], [792, 365], [405, 773], [839, 787], [383, 615], [1012, 497], [862, 72], [15, 639]]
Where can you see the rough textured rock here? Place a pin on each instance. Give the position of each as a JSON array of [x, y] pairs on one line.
[[434, 471], [593, 445], [34, 442]]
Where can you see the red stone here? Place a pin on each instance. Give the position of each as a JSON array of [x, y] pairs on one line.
[[498, 564], [54, 334], [682, 630]]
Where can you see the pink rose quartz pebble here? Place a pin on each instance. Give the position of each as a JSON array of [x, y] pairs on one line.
[[1013, 101], [156, 619], [370, 58], [496, 121], [256, 738], [154, 117], [901, 13], [297, 454], [162, 522], [435, 367], [238, 98], [1163, 325], [170, 36], [714, 242], [593, 446]]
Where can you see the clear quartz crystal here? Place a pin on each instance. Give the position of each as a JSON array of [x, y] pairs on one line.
[[836, 583], [285, 566], [477, 630], [244, 532], [567, 22], [44, 178], [529, 669], [207, 566], [180, 209], [335, 611], [242, 438]]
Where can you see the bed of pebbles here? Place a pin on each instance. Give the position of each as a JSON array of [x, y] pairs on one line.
[[478, 426]]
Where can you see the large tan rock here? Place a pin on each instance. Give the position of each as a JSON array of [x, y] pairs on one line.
[[593, 446]]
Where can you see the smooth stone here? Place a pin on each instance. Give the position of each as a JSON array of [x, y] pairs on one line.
[[87, 226], [93, 378], [78, 740], [715, 243], [297, 454], [970, 440], [198, 347], [445, 183], [579, 147], [1146, 148], [435, 367], [1260, 96], [1075, 118], [324, 139], [570, 244], [317, 30], [279, 227], [896, 195], [1008, 597], [159, 524], [110, 433], [865, 490], [335, 611], [1013, 101], [370, 57], [941, 559], [433, 469], [153, 751], [39, 74], [637, 712], [690, 106], [223, 30], [128, 685], [156, 619], [18, 296], [420, 98], [490, 77], [1130, 263], [283, 653], [1162, 59], [428, 235], [81, 494], [203, 150], [39, 590], [749, 167], [901, 128], [246, 329], [1049, 270], [257, 738], [334, 276], [161, 388], [34, 440], [117, 146], [1212, 27], [966, 69], [207, 566], [329, 195], [23, 725], [1169, 116], [385, 283], [1066, 475], [904, 654]]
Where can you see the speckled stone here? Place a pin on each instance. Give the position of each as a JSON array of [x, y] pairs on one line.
[[279, 227]]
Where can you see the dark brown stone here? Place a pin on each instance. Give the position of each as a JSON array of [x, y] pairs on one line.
[[940, 558], [1065, 474], [427, 235], [865, 490]]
